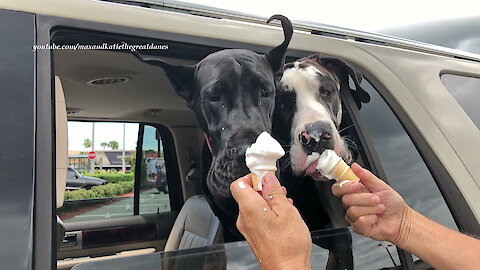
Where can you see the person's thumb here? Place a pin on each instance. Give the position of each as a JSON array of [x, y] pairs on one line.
[[273, 192], [368, 179]]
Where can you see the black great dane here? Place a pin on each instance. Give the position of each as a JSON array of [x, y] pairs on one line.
[[307, 118], [232, 94]]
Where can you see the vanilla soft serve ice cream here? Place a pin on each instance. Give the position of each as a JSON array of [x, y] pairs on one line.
[[327, 160], [332, 166], [262, 156]]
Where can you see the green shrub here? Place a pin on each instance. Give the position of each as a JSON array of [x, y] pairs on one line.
[[127, 186], [114, 177], [105, 191], [79, 194]]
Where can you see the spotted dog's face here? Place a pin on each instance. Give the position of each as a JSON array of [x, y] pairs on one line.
[[308, 104]]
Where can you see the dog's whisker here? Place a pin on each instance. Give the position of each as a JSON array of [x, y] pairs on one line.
[[345, 128], [351, 144]]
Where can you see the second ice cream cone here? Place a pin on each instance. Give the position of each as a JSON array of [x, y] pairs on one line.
[[344, 172]]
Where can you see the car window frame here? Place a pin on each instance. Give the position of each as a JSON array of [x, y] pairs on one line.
[[171, 164], [175, 193]]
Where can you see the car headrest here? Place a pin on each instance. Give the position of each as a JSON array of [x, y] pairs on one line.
[[61, 135]]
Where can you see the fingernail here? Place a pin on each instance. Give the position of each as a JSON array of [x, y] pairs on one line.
[[269, 179], [242, 185], [376, 199], [343, 182], [381, 207]]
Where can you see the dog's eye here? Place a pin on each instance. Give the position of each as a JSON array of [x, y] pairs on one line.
[[215, 97], [265, 92], [324, 93]]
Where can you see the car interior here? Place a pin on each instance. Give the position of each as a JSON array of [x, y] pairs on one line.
[[96, 85]]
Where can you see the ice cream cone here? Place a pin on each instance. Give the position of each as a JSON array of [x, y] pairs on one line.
[[343, 172], [262, 157], [257, 181]]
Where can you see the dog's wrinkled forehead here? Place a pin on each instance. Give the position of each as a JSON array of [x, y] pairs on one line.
[[308, 74], [316, 89]]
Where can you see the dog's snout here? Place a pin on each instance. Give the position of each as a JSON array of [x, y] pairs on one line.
[[316, 137], [306, 139], [242, 137]]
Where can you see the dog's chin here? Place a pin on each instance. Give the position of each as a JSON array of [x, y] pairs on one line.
[[229, 165]]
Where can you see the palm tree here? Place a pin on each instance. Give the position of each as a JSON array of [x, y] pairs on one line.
[[86, 144], [113, 145], [104, 144]]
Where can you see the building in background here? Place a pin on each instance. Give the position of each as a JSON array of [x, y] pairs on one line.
[[105, 159]]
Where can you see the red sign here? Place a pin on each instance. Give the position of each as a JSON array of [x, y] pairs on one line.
[[91, 155]]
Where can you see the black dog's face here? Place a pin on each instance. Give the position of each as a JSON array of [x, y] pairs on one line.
[[236, 99], [308, 104], [232, 94]]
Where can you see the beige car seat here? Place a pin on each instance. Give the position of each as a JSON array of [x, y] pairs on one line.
[[195, 226]]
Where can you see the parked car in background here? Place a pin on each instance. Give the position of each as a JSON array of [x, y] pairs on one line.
[[75, 180]]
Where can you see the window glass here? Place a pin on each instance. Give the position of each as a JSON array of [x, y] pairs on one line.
[[466, 90], [368, 254], [101, 187], [405, 169], [154, 196]]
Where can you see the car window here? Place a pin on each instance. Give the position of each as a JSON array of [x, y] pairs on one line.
[[99, 186], [466, 90], [406, 171], [102, 186], [154, 197]]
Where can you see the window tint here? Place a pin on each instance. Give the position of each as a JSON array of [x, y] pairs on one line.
[[154, 196], [107, 191], [466, 90], [101, 187], [405, 169], [368, 254]]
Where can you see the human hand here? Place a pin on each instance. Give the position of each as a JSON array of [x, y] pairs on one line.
[[374, 209], [271, 225]]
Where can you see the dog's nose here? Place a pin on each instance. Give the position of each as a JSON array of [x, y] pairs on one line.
[[242, 138], [316, 137]]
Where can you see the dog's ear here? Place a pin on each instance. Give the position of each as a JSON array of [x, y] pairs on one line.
[[276, 56], [181, 77], [343, 69]]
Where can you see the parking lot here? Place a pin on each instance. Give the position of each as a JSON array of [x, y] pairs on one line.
[[151, 201]]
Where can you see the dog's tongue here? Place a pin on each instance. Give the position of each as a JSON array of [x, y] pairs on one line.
[[312, 168]]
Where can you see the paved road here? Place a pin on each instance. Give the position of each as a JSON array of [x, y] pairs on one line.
[[151, 201]]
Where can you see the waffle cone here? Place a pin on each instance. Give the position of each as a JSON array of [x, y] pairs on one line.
[[257, 182], [344, 172]]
